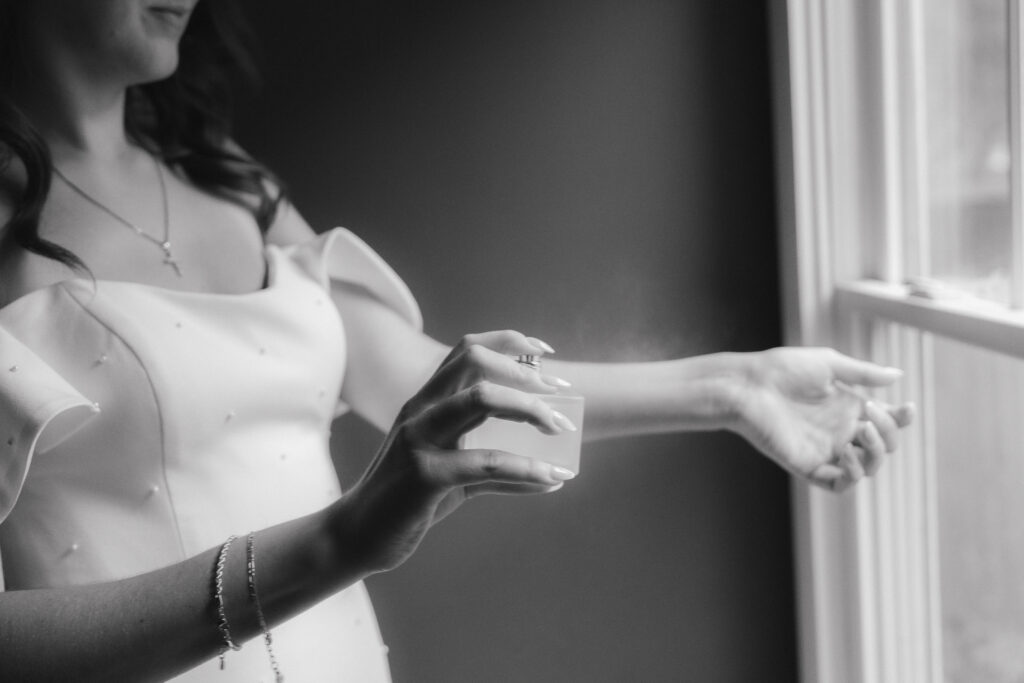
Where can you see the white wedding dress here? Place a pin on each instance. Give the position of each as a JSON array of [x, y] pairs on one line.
[[140, 426]]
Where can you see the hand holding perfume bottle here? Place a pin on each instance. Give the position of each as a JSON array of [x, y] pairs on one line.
[[522, 438]]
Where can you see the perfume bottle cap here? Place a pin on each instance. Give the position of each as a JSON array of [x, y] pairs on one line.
[[529, 359]]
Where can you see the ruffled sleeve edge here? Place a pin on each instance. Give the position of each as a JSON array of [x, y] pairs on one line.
[[49, 426], [339, 255], [39, 409]]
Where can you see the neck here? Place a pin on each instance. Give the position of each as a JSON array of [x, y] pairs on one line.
[[77, 130], [77, 119]]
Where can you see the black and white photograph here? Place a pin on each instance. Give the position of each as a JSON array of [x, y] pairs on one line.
[[564, 341]]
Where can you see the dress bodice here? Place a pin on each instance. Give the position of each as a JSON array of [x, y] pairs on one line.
[[145, 425]]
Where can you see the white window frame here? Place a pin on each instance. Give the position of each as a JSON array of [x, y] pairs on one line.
[[850, 125]]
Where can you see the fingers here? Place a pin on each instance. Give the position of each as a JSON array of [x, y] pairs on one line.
[[884, 423], [850, 462], [443, 423], [507, 342], [506, 489], [872, 448], [489, 356], [830, 477], [876, 437], [903, 414], [493, 471], [854, 371]]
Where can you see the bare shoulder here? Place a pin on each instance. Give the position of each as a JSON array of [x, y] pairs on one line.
[[289, 227]]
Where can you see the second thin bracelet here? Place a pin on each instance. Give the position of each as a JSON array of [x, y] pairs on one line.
[[250, 565]]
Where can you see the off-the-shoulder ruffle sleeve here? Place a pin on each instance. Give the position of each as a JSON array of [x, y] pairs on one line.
[[38, 410], [338, 255]]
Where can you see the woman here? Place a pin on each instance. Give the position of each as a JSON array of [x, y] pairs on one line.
[[170, 360]]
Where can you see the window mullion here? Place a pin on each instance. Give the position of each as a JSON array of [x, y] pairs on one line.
[[922, 442], [901, 239], [892, 129], [907, 602], [923, 616], [914, 149], [1016, 107]]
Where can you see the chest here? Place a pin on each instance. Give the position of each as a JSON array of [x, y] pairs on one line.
[[193, 241]]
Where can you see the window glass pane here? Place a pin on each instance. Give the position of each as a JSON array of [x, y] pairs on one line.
[[966, 77], [979, 429]]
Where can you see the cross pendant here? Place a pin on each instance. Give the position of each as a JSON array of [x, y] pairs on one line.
[[168, 261], [169, 258]]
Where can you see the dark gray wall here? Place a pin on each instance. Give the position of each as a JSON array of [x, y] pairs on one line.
[[597, 173]]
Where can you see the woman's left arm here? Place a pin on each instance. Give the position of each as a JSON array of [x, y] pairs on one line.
[[808, 409], [805, 408]]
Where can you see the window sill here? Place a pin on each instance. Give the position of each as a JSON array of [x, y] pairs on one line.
[[966, 319]]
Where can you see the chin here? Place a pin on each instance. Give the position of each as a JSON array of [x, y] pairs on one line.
[[166, 68], [156, 66]]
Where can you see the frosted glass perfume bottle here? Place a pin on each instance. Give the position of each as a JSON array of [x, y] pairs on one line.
[[522, 438]]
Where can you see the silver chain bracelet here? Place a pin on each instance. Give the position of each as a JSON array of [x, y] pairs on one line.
[[218, 595], [250, 564]]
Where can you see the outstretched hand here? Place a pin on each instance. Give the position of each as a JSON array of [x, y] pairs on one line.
[[419, 475], [807, 409]]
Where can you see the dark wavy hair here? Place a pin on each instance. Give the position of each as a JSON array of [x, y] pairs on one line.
[[184, 119]]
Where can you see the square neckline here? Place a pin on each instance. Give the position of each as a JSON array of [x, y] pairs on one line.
[[269, 281]]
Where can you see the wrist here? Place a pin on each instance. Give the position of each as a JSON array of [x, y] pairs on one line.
[[727, 377], [754, 387], [345, 551]]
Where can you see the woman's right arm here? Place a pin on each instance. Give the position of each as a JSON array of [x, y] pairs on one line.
[[156, 625]]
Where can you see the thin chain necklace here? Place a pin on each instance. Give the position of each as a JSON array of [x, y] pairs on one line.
[[164, 244]]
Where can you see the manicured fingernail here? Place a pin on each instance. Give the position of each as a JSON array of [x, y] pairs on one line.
[[542, 345], [894, 371], [563, 422], [555, 381], [561, 473]]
